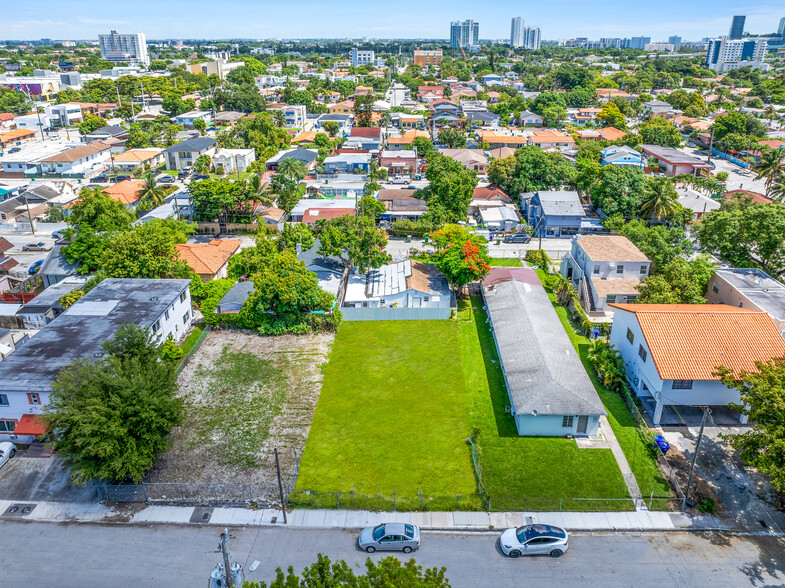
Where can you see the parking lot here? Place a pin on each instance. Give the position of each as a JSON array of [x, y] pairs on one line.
[[28, 479]]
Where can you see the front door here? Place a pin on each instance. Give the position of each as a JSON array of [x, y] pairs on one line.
[[416, 302], [583, 423]]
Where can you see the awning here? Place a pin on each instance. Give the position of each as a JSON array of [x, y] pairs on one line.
[[30, 424]]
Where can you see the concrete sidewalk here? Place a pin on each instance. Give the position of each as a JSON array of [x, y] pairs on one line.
[[350, 519]]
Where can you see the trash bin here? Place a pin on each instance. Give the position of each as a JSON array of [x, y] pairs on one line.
[[408, 238], [595, 333], [427, 237], [662, 444]]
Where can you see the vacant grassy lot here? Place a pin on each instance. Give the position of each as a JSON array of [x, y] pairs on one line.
[[506, 262], [399, 400]]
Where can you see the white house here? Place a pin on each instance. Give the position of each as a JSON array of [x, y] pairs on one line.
[[77, 161], [187, 119], [671, 351], [604, 269], [550, 392], [233, 160], [163, 307], [183, 155]]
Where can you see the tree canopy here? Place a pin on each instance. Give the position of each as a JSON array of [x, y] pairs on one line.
[[355, 239], [451, 186]]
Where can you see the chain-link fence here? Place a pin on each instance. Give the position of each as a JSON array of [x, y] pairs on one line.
[[353, 500], [195, 494]]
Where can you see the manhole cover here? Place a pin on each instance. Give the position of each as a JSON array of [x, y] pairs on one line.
[[201, 515], [19, 510]]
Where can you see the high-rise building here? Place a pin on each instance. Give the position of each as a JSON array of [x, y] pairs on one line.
[[125, 48], [725, 54], [464, 34], [781, 28], [516, 32], [360, 58], [426, 57], [737, 28], [531, 38], [675, 41], [636, 42]]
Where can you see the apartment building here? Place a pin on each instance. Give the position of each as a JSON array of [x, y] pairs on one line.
[[124, 48]]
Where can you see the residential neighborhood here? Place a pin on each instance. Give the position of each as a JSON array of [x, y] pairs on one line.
[[521, 292]]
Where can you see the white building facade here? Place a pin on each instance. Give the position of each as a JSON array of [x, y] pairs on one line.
[[128, 48]]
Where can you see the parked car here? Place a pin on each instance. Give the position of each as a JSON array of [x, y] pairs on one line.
[[103, 178], [166, 179], [40, 246], [398, 180], [14, 149], [534, 540], [121, 178], [517, 238], [7, 451], [33, 269], [183, 174], [201, 177], [390, 537]]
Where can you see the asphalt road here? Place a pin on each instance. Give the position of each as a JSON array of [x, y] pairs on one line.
[[78, 555]]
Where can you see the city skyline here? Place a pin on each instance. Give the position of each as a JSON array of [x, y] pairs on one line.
[[235, 19]]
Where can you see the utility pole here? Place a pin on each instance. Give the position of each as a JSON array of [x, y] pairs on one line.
[[280, 483], [40, 124], [29, 215], [706, 412], [711, 144], [225, 552]]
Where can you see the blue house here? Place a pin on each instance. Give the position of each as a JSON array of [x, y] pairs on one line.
[[557, 214], [491, 79], [621, 156], [346, 163]]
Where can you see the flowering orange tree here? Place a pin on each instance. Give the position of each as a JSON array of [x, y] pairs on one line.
[[461, 256]]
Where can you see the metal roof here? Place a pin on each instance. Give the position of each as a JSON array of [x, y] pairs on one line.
[[543, 373], [560, 203]]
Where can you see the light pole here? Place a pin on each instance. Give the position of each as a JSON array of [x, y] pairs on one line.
[[706, 413]]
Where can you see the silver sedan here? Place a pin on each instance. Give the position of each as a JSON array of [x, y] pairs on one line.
[[390, 537], [7, 451]]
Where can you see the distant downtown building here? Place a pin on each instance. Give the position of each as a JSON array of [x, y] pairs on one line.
[[737, 28], [725, 54], [781, 28], [427, 57], [523, 36], [124, 48], [637, 42], [675, 41], [516, 32], [360, 58], [465, 34]]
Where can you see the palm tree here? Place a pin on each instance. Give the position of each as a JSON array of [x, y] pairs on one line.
[[770, 166], [259, 190], [778, 189], [280, 119], [151, 192], [770, 113], [292, 168], [660, 198]]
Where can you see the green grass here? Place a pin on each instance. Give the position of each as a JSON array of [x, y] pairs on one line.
[[506, 262], [639, 456], [191, 339], [398, 401], [241, 395]]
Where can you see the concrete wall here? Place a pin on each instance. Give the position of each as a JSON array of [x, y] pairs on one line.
[[728, 294], [551, 425]]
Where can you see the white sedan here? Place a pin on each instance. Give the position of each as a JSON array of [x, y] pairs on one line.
[[7, 451], [534, 540]]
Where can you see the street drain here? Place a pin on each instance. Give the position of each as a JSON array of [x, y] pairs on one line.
[[18, 510], [201, 515], [763, 524]]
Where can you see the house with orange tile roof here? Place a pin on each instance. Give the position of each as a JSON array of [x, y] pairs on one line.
[[406, 140], [15, 137], [210, 260], [554, 139], [672, 351], [126, 192], [131, 160]]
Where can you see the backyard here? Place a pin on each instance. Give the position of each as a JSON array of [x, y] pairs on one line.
[[398, 402]]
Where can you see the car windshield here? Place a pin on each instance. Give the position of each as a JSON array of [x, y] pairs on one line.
[[531, 531], [409, 530], [378, 532]]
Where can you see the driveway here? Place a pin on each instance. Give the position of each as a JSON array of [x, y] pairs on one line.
[[738, 177], [40, 479]]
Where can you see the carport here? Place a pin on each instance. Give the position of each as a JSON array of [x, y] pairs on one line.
[[29, 427]]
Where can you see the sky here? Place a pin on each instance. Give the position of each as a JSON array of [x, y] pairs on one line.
[[208, 19]]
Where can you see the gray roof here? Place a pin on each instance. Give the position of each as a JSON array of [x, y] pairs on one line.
[[614, 152], [237, 294], [79, 332], [55, 264], [672, 155], [50, 297], [560, 203], [483, 115], [328, 270], [759, 287], [191, 145], [111, 130], [304, 155], [543, 372]]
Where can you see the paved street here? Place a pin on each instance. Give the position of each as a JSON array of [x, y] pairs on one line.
[[555, 248], [738, 177], [65, 555]]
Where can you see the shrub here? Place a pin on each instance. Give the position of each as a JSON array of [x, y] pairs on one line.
[[170, 351], [706, 506], [539, 258], [66, 300]]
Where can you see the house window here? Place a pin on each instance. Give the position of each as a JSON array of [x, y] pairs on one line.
[[7, 426], [644, 269], [632, 298], [596, 270], [186, 316], [630, 336], [619, 269], [682, 385], [4, 400], [182, 296], [156, 326], [610, 298], [33, 398], [715, 288], [166, 314], [566, 421], [642, 353]]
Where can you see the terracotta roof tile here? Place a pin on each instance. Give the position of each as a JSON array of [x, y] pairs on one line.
[[208, 258], [126, 191], [689, 341]]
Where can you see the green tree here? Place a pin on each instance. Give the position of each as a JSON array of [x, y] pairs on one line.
[[14, 102], [388, 572], [659, 198], [659, 243], [355, 239], [146, 251], [619, 190], [331, 127], [363, 110], [770, 166], [293, 234], [536, 169], [762, 396], [202, 164], [370, 207], [423, 145], [678, 282], [611, 116], [200, 125], [461, 256], [110, 418], [451, 186], [292, 168], [659, 131], [97, 210], [152, 192], [91, 123], [288, 191], [501, 172], [453, 138]]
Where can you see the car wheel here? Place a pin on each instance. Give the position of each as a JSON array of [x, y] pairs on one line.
[[407, 549], [556, 553], [12, 453], [370, 549], [515, 553]]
